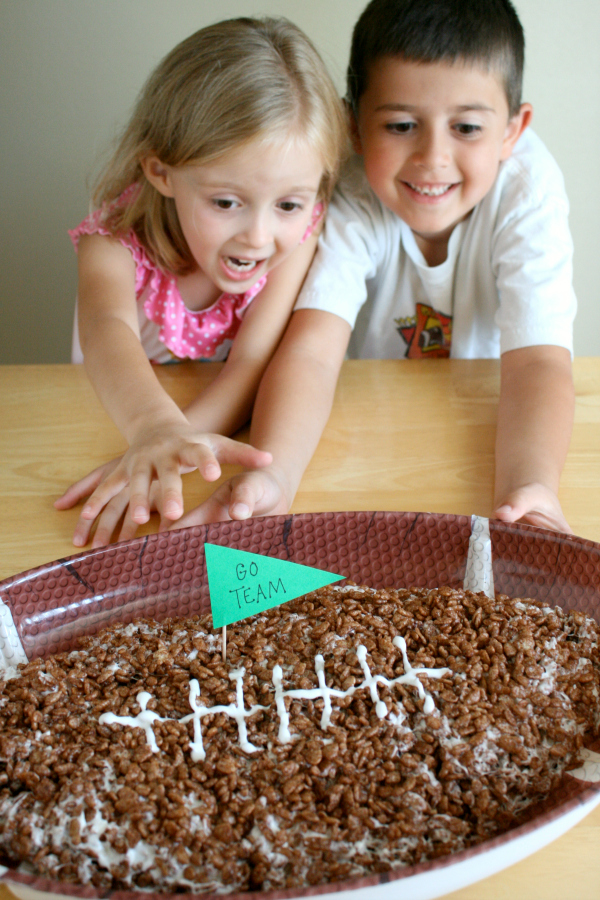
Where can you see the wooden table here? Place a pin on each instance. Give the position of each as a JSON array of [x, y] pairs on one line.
[[403, 435]]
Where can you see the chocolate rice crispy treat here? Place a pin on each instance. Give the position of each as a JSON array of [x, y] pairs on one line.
[[292, 783]]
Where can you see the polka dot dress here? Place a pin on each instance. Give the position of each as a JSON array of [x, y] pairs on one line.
[[188, 334]]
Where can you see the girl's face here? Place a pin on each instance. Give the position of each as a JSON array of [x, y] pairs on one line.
[[245, 212]]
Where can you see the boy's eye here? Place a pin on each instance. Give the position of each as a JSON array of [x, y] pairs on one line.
[[467, 128], [400, 127]]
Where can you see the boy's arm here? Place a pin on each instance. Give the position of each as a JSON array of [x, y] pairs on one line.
[[291, 410], [226, 404], [535, 419]]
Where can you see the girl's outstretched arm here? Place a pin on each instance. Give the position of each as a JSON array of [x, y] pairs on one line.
[[162, 442], [535, 420], [169, 447], [291, 410], [114, 358]]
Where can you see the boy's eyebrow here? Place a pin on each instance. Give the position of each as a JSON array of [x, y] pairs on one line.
[[477, 107], [408, 107]]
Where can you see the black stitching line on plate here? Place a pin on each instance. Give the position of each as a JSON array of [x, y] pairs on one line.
[[142, 550], [369, 526], [70, 568], [287, 530], [409, 531]]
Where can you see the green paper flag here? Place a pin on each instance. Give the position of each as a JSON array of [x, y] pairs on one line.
[[242, 584]]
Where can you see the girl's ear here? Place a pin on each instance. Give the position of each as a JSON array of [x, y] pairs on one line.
[[158, 174], [515, 128]]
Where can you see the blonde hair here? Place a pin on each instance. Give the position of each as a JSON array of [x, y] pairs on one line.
[[225, 85]]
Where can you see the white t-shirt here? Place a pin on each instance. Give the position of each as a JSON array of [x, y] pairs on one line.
[[506, 282]]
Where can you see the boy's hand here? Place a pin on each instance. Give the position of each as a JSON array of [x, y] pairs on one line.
[[291, 409], [256, 493], [535, 418], [533, 504], [152, 467]]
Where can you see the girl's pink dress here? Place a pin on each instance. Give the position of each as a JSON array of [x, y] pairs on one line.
[[168, 329]]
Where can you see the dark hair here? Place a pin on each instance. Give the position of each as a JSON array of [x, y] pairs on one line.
[[486, 32]]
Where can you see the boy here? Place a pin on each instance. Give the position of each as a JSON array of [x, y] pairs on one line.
[[447, 236]]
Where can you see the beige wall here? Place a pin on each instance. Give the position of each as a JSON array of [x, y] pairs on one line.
[[70, 70]]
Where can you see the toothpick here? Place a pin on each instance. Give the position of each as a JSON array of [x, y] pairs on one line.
[[224, 641]]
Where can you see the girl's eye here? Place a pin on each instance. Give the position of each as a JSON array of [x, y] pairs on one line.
[[222, 203], [289, 206], [467, 129], [400, 127]]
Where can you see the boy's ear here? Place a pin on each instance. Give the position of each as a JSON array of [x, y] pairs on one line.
[[158, 174], [515, 128], [353, 129]]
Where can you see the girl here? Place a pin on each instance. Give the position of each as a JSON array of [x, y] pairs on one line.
[[201, 237]]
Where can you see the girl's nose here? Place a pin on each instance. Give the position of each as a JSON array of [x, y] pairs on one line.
[[432, 151], [256, 232]]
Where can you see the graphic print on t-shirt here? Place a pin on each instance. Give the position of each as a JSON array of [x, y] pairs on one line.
[[428, 335]]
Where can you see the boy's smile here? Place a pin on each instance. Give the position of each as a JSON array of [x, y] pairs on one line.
[[432, 136]]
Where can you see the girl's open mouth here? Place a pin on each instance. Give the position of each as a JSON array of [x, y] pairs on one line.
[[238, 268], [241, 265]]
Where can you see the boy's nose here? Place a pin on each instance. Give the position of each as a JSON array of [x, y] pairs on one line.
[[432, 151]]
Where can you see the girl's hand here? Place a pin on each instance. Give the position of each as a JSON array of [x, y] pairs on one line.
[[114, 513], [257, 493], [82, 489], [533, 504], [160, 458]]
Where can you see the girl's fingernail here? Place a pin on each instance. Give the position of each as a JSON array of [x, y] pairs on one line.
[[240, 510]]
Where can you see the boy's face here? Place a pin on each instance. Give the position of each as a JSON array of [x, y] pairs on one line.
[[432, 136]]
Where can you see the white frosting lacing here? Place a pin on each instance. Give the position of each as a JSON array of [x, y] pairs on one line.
[[146, 718]]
